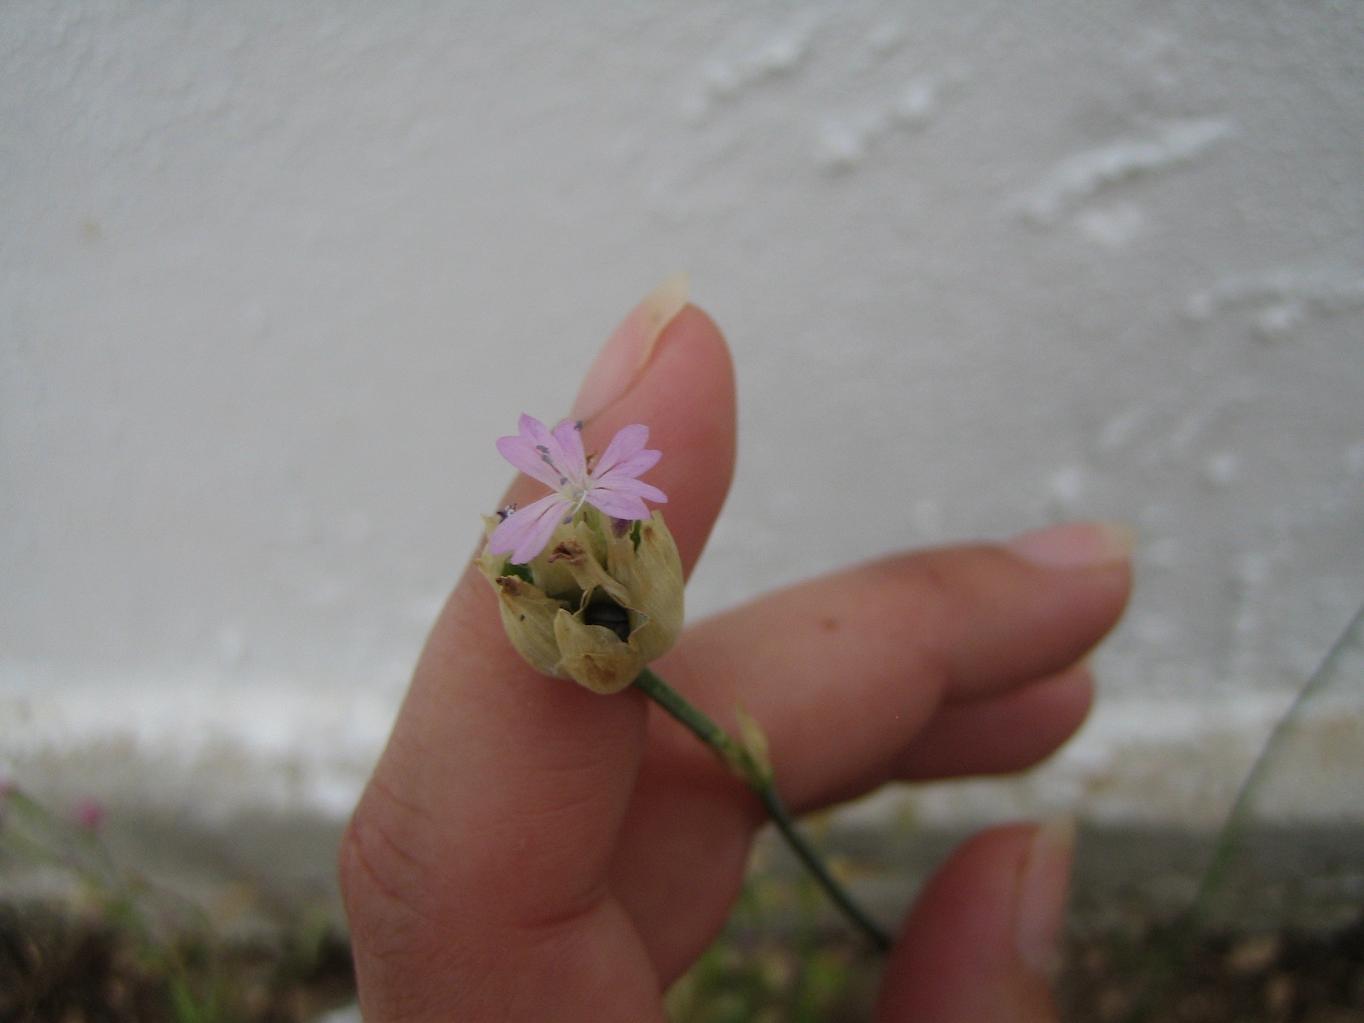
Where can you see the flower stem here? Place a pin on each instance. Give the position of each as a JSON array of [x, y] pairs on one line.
[[751, 766]]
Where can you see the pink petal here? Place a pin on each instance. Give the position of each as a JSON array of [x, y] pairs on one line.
[[633, 491], [618, 505], [548, 447], [525, 532], [628, 440], [650, 493], [632, 488], [636, 465], [90, 814], [521, 453], [569, 434]]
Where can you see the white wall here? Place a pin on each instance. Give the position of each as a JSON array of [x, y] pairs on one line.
[[273, 277]]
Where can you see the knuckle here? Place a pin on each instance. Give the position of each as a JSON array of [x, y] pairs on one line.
[[928, 601], [398, 942], [385, 887]]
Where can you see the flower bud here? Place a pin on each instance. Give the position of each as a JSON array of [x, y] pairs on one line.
[[602, 600]]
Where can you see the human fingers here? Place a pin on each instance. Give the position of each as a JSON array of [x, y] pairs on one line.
[[679, 865], [489, 820], [843, 672], [1000, 734], [982, 941], [847, 709], [675, 829]]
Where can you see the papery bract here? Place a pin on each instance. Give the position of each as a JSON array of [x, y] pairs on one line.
[[595, 606]]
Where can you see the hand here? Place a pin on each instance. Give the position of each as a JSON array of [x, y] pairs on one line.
[[527, 850]]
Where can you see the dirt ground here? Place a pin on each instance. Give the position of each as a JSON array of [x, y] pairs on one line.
[[1282, 941], [65, 969]]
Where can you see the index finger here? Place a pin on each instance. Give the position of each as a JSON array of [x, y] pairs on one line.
[[500, 791]]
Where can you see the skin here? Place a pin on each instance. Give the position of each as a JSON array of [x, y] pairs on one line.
[[527, 850]]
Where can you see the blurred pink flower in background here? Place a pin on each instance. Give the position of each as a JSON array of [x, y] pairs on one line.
[[89, 814]]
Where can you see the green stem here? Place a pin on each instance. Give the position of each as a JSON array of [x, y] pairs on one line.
[[759, 778]]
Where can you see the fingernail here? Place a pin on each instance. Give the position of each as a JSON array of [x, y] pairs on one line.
[[1040, 912], [1076, 544], [628, 350]]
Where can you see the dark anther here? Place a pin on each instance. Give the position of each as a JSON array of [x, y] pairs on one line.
[[609, 615], [503, 513], [567, 550]]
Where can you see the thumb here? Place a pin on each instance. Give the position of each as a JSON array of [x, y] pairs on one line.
[[495, 805], [983, 939]]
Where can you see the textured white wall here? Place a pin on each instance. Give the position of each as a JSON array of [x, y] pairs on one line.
[[273, 277]]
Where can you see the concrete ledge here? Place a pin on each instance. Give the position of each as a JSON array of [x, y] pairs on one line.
[[249, 793]]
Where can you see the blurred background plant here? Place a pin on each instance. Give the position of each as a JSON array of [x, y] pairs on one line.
[[1262, 939], [94, 940], [1270, 933]]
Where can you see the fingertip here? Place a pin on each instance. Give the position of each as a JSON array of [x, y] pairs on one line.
[[980, 942], [1037, 617], [1040, 903], [630, 347], [1076, 544], [1094, 558], [686, 396], [691, 371], [1010, 732]]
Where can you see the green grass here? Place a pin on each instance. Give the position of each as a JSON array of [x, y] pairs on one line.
[[778, 961], [117, 947]]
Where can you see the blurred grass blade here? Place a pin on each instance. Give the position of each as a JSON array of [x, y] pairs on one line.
[[1291, 844]]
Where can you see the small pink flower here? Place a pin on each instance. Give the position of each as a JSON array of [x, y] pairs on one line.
[[89, 814], [555, 458]]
